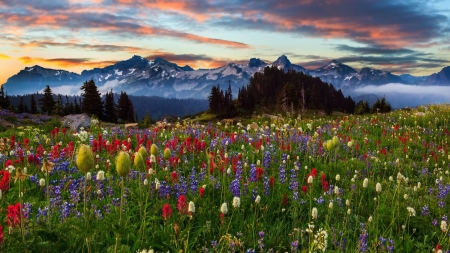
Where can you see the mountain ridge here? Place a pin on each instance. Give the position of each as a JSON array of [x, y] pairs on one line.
[[140, 76]]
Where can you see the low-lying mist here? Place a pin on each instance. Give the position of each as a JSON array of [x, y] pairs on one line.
[[403, 95]]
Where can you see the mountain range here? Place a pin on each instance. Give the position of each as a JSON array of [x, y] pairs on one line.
[[142, 77]]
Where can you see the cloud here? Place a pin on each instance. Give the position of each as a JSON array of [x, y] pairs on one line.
[[110, 23], [402, 95], [66, 62], [394, 23], [4, 57], [82, 46], [374, 50]]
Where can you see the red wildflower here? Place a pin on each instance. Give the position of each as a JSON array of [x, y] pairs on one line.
[[325, 186], [259, 172], [202, 191], [166, 211], [8, 163], [13, 216], [285, 200], [2, 235], [323, 177], [304, 189], [4, 180], [174, 176], [272, 182], [314, 172], [182, 205], [438, 247]]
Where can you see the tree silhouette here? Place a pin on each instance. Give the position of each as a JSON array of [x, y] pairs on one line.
[[33, 105], [46, 103], [92, 103], [110, 107], [125, 108]]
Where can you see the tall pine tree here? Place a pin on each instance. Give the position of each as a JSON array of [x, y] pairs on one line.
[[92, 103], [46, 103], [33, 105], [110, 107], [125, 108]]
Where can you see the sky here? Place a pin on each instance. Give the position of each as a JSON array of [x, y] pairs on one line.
[[399, 36]]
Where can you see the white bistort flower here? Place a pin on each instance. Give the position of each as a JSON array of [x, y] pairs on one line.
[[224, 208], [100, 175], [365, 182], [411, 211], [314, 213], [236, 202], [191, 207], [378, 187], [258, 199]]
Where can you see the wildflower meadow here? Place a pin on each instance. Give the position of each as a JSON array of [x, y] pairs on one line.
[[371, 183]]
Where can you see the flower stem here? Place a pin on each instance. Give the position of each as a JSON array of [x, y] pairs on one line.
[[120, 215], [48, 200], [85, 214]]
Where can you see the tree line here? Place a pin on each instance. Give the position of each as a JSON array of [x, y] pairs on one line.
[[90, 102], [277, 90], [380, 106], [111, 107]]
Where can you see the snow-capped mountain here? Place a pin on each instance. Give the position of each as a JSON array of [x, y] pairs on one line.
[[158, 77], [283, 63], [336, 73], [33, 79]]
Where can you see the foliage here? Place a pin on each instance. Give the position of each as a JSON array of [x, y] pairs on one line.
[[125, 108], [110, 107], [221, 103], [47, 103], [371, 183], [291, 91], [92, 103]]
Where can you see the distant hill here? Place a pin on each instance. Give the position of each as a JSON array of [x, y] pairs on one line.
[[157, 107]]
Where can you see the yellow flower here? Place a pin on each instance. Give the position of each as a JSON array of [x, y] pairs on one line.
[[167, 153], [123, 164], [85, 158], [143, 152], [154, 150], [47, 166], [139, 161], [20, 175]]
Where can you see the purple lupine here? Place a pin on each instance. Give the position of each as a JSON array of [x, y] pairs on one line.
[[282, 172], [253, 176], [238, 170], [294, 246], [266, 186], [363, 245], [235, 188], [193, 185], [261, 240], [267, 159]]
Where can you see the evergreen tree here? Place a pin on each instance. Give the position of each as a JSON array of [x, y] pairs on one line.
[[58, 108], [68, 106], [92, 103], [33, 109], [47, 103], [20, 107], [125, 108], [3, 104], [110, 107], [76, 107], [147, 120]]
